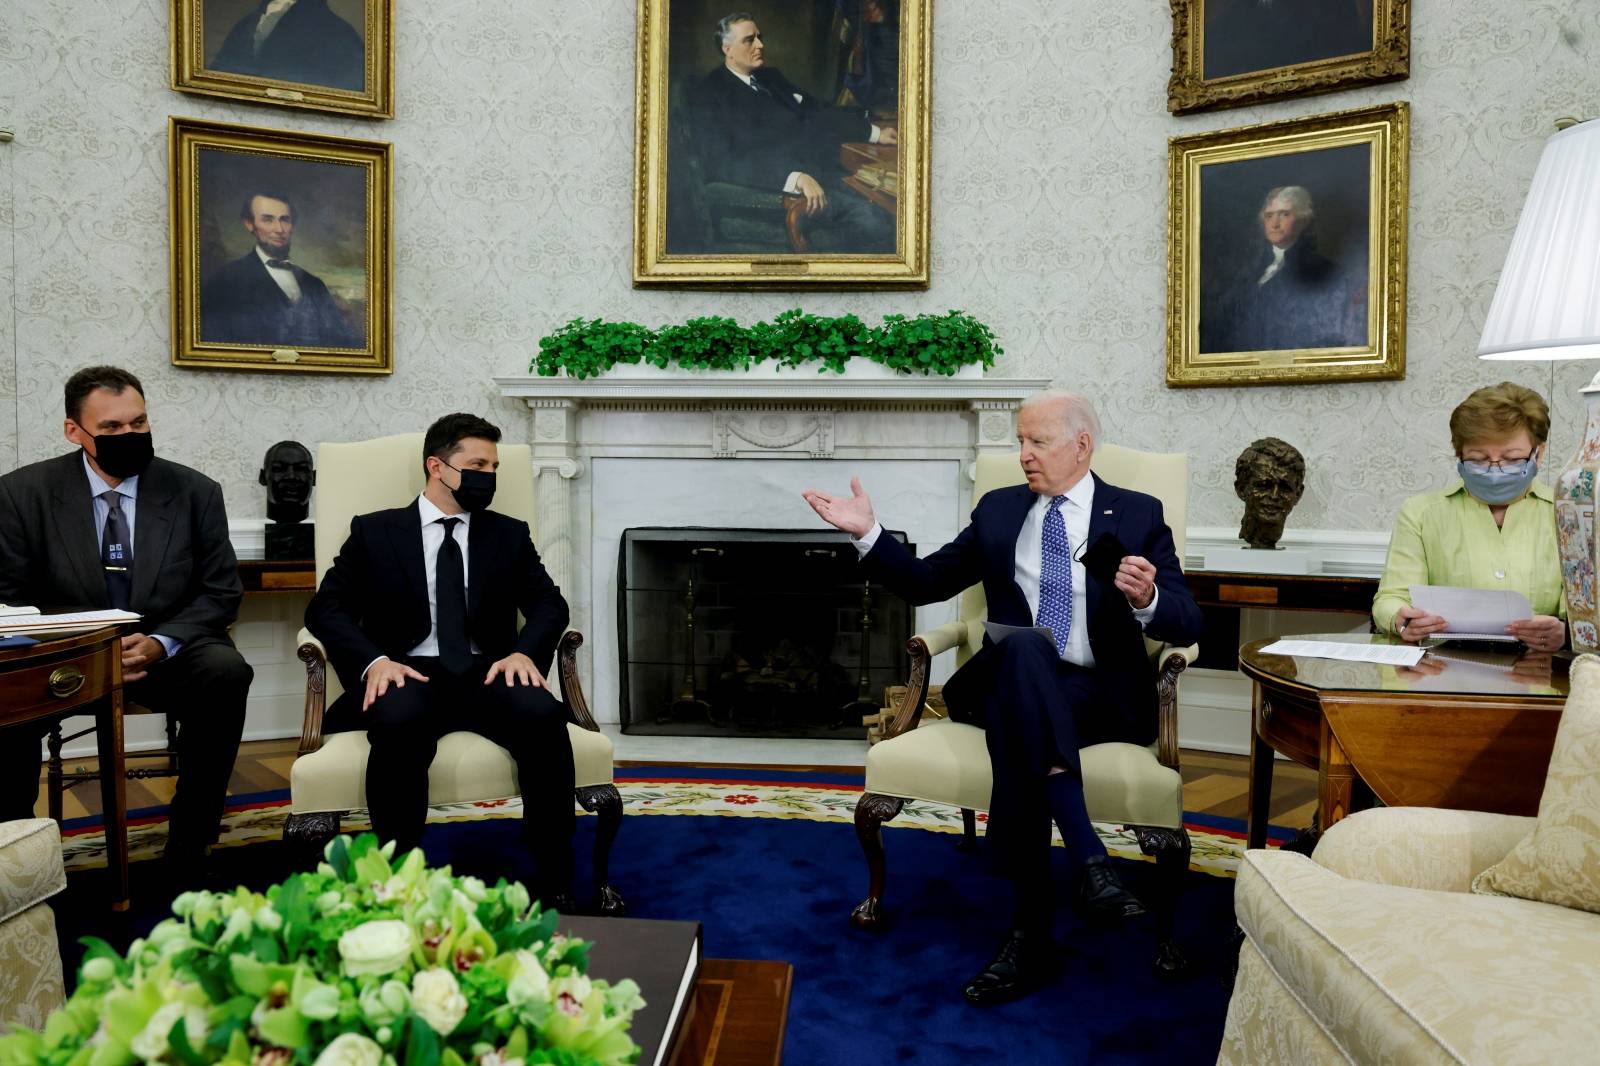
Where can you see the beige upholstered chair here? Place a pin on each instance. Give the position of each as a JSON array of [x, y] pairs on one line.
[[947, 762], [30, 961], [329, 777]]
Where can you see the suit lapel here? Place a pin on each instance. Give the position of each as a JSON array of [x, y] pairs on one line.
[[1105, 516], [74, 522], [477, 560], [152, 530], [1019, 500], [405, 536]]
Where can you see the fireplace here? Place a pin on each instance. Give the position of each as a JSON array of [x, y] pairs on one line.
[[752, 633]]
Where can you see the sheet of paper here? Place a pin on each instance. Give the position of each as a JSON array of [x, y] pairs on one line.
[[998, 632], [1473, 614], [66, 623], [9, 611], [1388, 654]]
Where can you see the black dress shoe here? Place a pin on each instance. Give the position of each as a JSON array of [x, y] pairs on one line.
[[1101, 896], [1024, 962]]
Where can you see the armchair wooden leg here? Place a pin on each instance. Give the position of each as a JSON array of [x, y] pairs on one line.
[[872, 810], [54, 784], [605, 802], [969, 831], [306, 835], [1171, 850]]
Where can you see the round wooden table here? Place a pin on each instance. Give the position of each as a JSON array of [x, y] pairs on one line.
[[1470, 729], [78, 673]]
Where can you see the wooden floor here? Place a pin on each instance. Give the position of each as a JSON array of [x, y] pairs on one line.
[[1212, 784]]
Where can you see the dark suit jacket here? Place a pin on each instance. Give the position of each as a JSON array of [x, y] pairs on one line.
[[986, 551], [759, 139], [241, 304], [374, 599], [1306, 304], [185, 576], [310, 44]]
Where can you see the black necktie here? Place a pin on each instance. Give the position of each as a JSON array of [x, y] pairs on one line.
[[281, 264], [116, 552], [450, 591]]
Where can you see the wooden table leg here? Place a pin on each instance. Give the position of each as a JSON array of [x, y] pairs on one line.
[[1259, 802], [114, 795], [1335, 780]]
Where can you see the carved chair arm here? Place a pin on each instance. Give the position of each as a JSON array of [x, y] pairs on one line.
[[922, 648], [571, 687], [1173, 662], [312, 653]]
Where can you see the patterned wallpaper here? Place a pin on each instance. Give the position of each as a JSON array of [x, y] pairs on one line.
[[513, 191]]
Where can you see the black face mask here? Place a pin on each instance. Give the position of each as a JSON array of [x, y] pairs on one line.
[[123, 455], [476, 490]]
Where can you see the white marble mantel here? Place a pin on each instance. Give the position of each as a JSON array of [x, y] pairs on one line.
[[642, 446]]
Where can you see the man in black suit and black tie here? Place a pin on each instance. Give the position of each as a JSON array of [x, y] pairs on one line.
[[110, 525], [262, 297], [1040, 702], [294, 40], [419, 616], [755, 127]]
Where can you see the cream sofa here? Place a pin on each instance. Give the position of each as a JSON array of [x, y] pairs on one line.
[[30, 958], [1374, 950]]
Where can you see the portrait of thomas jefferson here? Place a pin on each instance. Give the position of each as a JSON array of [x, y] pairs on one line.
[[266, 296], [312, 42]]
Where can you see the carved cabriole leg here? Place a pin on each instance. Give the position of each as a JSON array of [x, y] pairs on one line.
[[307, 834], [872, 810], [969, 831], [605, 802], [1171, 850]]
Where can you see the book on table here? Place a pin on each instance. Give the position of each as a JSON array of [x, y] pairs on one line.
[[663, 957], [63, 622]]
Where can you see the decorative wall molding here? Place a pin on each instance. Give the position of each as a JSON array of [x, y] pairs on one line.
[[798, 432]]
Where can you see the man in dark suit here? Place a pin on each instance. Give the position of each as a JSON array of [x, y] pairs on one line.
[[262, 297], [295, 40], [1039, 701], [111, 526], [419, 616], [755, 127]]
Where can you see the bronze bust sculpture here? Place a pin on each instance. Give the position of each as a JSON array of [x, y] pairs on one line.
[[1270, 477], [287, 473]]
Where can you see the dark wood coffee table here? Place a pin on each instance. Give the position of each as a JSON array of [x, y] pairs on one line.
[[738, 1014]]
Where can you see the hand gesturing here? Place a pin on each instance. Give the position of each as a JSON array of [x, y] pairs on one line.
[[852, 513]]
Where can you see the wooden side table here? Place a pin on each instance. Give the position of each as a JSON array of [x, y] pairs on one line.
[[738, 1014], [78, 674]]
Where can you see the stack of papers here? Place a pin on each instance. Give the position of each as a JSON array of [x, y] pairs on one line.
[[1473, 614], [1387, 654], [14, 621]]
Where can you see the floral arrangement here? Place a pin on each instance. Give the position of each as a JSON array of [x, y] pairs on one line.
[[361, 963]]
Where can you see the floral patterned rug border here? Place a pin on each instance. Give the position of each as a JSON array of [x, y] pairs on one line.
[[1216, 853]]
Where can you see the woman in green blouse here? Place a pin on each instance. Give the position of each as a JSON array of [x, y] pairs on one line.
[[1493, 529]]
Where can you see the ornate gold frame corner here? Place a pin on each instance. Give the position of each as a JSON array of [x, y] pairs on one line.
[[1387, 128], [1188, 90], [653, 266], [186, 137], [190, 75]]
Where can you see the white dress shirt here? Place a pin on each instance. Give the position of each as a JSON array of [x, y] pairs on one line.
[[432, 539], [128, 489], [792, 186], [282, 275], [269, 21], [1076, 511], [1274, 266]]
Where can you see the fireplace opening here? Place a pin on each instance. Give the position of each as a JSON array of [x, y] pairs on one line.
[[753, 633]]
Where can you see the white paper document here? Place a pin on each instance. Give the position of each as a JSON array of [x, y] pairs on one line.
[[998, 632], [1473, 614], [70, 622], [1387, 654], [9, 611]]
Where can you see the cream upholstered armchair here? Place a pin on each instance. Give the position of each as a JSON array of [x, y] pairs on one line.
[[948, 762], [31, 984], [329, 777]]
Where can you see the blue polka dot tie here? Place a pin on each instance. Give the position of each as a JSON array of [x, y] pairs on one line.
[[1055, 576]]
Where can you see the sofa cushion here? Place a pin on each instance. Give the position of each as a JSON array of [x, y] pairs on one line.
[[1407, 975], [948, 762], [465, 769], [1559, 862], [30, 864]]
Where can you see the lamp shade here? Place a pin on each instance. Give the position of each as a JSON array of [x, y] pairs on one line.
[[1547, 304]]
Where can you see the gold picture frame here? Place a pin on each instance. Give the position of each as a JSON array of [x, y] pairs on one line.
[[710, 205], [322, 55], [1286, 251], [282, 254], [1315, 50]]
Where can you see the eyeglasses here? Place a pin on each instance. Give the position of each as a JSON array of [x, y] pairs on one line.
[[1515, 467]]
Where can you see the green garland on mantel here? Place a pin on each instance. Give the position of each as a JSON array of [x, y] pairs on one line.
[[926, 344]]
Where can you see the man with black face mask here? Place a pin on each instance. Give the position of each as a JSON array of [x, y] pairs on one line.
[[419, 617], [110, 525]]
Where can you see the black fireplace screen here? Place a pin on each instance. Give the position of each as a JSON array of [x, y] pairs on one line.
[[753, 632]]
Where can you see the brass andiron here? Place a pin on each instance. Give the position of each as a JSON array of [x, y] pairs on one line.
[[688, 702], [863, 703]]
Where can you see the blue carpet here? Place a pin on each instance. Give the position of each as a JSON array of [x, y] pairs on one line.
[[783, 889]]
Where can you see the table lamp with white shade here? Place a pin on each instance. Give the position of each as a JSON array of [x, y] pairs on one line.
[[1547, 306]]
